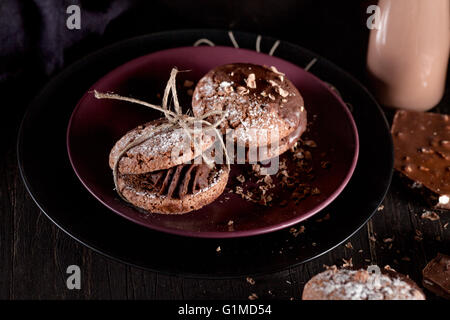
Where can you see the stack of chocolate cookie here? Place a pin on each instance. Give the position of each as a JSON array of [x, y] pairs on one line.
[[154, 177], [262, 109]]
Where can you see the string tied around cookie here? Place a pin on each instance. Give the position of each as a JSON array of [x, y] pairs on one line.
[[176, 119]]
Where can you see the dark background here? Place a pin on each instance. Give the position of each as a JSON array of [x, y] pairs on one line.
[[35, 45]]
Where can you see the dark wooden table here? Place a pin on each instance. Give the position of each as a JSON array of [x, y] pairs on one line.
[[34, 253]]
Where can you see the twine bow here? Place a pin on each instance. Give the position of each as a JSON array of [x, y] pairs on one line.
[[176, 119]]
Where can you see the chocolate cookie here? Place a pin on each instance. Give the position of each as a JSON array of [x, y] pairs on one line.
[[157, 174], [164, 149], [343, 284], [263, 107]]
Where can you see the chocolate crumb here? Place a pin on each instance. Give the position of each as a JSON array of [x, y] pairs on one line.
[[332, 268], [282, 92], [188, 83], [256, 168], [426, 150], [418, 236], [295, 232], [388, 267], [347, 263], [229, 89], [325, 164], [430, 215], [388, 240], [310, 143], [268, 179], [280, 74], [242, 90], [253, 296], [251, 81], [325, 218]]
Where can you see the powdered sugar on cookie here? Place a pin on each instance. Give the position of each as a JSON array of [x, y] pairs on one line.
[[345, 284]]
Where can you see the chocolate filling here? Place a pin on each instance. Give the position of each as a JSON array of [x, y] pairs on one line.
[[176, 182]]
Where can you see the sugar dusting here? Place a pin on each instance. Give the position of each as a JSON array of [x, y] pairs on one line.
[[361, 285], [160, 143], [225, 84]]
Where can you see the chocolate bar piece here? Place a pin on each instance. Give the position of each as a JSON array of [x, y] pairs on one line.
[[422, 153], [436, 276]]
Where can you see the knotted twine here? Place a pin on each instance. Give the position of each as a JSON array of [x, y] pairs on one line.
[[176, 119]]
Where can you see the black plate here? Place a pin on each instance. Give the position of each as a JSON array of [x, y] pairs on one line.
[[50, 180]]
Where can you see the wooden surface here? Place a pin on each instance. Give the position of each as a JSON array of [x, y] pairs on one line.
[[34, 254]]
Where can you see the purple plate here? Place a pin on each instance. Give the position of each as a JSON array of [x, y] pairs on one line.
[[96, 125]]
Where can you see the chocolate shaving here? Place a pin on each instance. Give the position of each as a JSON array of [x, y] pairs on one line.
[[183, 190], [166, 181], [174, 182], [201, 177]]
